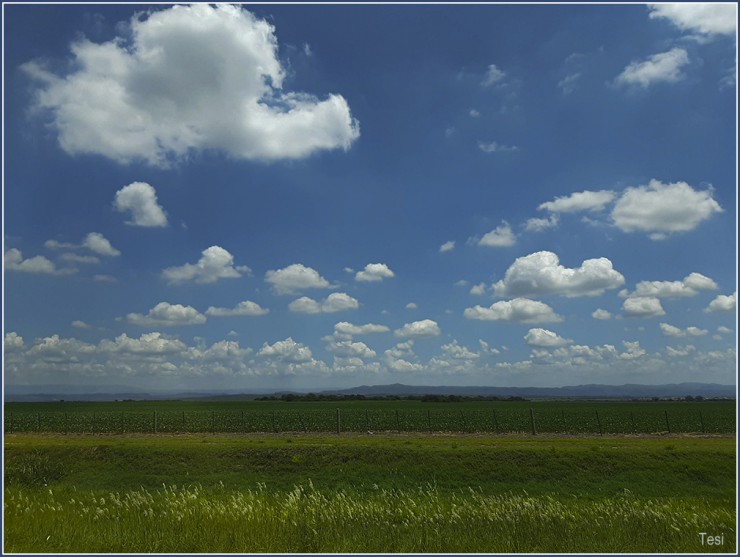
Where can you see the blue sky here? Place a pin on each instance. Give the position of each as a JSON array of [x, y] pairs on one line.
[[319, 196]]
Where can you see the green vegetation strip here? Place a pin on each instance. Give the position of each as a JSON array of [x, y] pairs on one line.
[[618, 417], [366, 494]]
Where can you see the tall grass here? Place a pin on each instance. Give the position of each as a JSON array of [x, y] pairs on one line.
[[193, 519]]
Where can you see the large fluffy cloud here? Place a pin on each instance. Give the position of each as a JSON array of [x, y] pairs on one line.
[[190, 78], [662, 67], [662, 209], [540, 273], [140, 199], [215, 263], [168, 315], [520, 310], [294, 278], [345, 329], [706, 18]]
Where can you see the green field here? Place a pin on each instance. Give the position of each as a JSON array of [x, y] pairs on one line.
[[376, 416], [362, 493]]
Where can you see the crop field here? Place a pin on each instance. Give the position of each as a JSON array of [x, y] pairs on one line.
[[375, 416], [387, 492]]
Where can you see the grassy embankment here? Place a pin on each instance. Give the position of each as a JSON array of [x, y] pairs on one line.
[[220, 493]]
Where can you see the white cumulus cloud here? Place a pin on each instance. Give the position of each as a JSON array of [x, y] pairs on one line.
[[540, 273], [215, 263], [687, 287], [579, 201], [520, 310], [140, 199], [662, 209], [345, 329], [708, 18], [447, 246], [374, 272], [545, 339], [418, 329], [245, 308], [337, 301], [38, 264], [287, 350], [294, 278], [500, 237], [642, 307], [601, 314], [662, 67], [99, 244], [166, 314], [190, 78], [723, 303]]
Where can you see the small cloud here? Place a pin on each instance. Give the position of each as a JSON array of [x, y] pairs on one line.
[[99, 244], [642, 307], [39, 264], [140, 199], [495, 147], [167, 315], [447, 246], [418, 329], [77, 324], [294, 278], [242, 309], [501, 237], [411, 305], [105, 278], [722, 304], [479, 289], [215, 263], [335, 302], [374, 272], [545, 339], [519, 310], [601, 314], [474, 113], [538, 225], [579, 201], [662, 67], [493, 76]]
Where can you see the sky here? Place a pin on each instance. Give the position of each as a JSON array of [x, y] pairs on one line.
[[322, 196]]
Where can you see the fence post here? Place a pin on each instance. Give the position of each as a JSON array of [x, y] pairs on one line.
[[700, 418], [598, 421], [339, 421], [667, 423], [398, 422], [531, 417]]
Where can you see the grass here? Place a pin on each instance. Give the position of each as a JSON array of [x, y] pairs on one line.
[[346, 493]]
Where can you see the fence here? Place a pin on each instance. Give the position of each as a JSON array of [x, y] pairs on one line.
[[337, 421]]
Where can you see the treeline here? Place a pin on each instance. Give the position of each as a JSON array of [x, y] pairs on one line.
[[314, 397]]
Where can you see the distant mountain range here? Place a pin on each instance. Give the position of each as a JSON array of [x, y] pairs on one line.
[[575, 391], [21, 393]]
